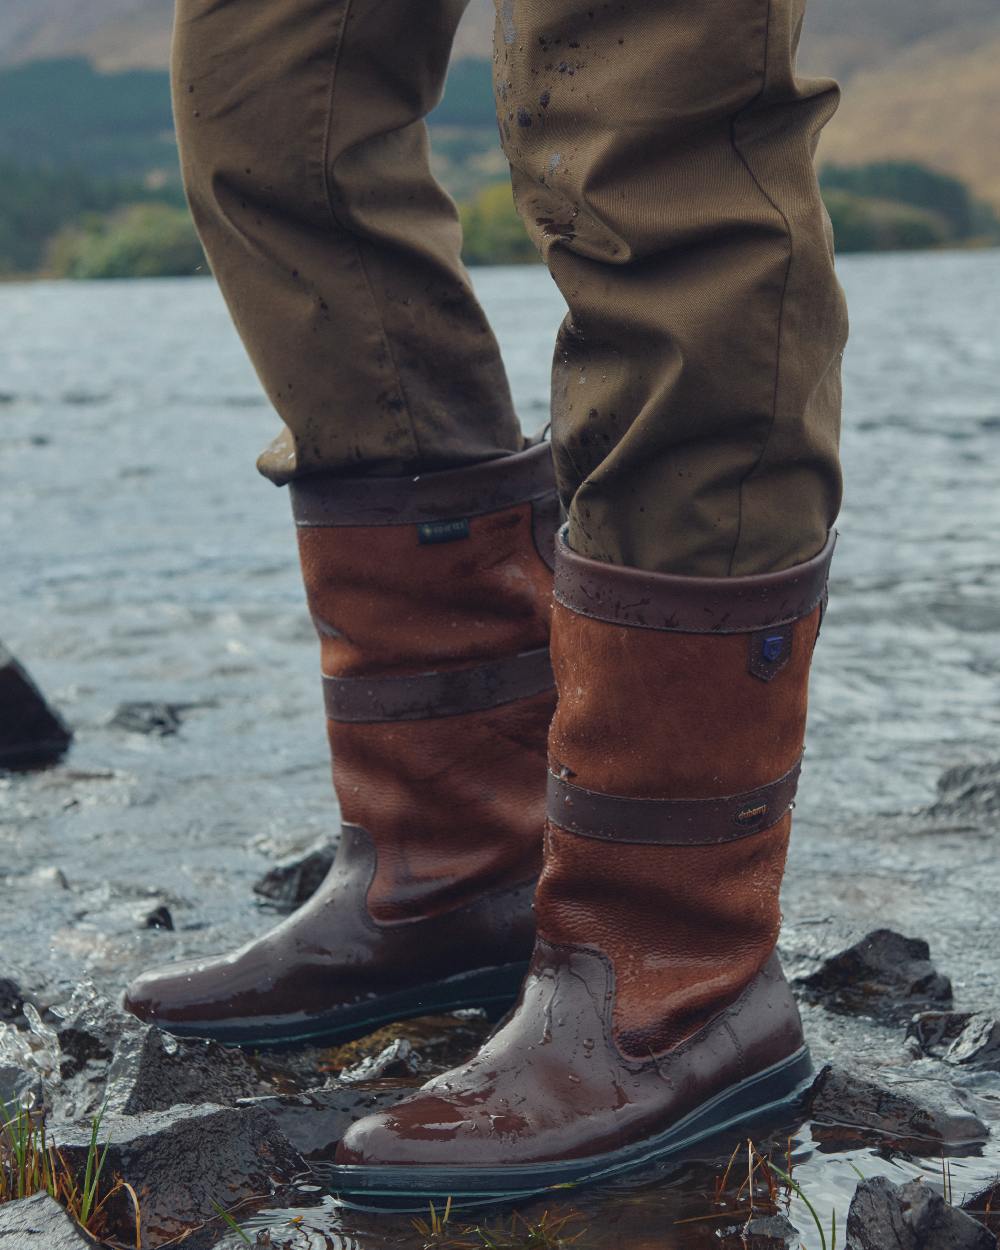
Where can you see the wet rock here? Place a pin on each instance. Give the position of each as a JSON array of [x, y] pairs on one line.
[[89, 1028], [40, 1223], [31, 733], [19, 1088], [848, 1107], [11, 1001], [184, 1163], [885, 975], [315, 1121], [884, 1216], [978, 1044], [397, 1059], [159, 918], [158, 719], [151, 1071], [932, 1032], [291, 883], [763, 1232], [968, 790], [984, 1206]]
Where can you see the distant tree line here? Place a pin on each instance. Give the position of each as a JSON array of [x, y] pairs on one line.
[[90, 185]]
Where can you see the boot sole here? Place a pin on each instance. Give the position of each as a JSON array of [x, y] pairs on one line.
[[494, 990], [411, 1187]]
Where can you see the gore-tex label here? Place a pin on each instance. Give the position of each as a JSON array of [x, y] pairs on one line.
[[442, 531]]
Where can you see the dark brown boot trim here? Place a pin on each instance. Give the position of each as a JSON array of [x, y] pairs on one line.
[[670, 822], [323, 499], [423, 696], [691, 605]]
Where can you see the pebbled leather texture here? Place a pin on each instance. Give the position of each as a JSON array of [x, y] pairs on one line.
[[551, 1084], [331, 953]]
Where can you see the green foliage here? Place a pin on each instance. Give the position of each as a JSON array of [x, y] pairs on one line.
[[867, 225], [137, 241], [906, 182], [35, 203], [493, 231]]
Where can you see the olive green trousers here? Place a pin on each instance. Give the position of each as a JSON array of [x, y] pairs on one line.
[[662, 160]]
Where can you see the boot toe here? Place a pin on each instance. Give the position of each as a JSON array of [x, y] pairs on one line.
[[162, 996], [422, 1131]]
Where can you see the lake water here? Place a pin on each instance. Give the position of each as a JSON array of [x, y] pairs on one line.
[[144, 559]]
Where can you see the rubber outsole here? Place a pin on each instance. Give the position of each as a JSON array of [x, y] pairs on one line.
[[403, 1188], [494, 990]]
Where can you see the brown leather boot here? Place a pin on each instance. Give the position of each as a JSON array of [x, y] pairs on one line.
[[432, 598], [655, 1010]]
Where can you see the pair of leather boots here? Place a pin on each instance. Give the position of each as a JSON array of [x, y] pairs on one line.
[[609, 865]]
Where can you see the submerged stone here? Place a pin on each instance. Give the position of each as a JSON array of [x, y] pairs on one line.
[[32, 734], [847, 1106], [314, 1122], [884, 1216], [296, 880], [158, 719], [185, 1163], [885, 975], [40, 1223], [763, 1232]]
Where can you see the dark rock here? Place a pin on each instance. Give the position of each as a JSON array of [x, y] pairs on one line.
[[932, 1032], [314, 1122], [184, 1163], [978, 1044], [11, 1001], [847, 1106], [151, 1071], [763, 1232], [159, 719], [397, 1059], [159, 918], [885, 975], [884, 1216], [40, 1223], [295, 880], [984, 1206], [31, 733]]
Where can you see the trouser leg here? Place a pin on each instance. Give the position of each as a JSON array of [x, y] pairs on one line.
[[662, 156], [305, 159]]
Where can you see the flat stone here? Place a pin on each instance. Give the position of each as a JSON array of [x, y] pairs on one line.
[[151, 1071], [184, 1163], [32, 734], [848, 1106], [295, 880], [932, 1032], [40, 1223], [885, 975], [884, 1216], [314, 1122]]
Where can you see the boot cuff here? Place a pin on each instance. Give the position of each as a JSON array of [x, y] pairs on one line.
[[690, 605], [324, 499]]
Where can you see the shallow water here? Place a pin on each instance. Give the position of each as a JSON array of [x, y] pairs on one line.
[[144, 559]]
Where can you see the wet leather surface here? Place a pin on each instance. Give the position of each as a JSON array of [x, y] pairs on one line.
[[551, 1083]]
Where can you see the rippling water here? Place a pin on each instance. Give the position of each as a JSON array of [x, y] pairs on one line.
[[144, 559]]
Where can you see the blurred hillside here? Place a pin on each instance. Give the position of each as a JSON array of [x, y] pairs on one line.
[[921, 75]]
